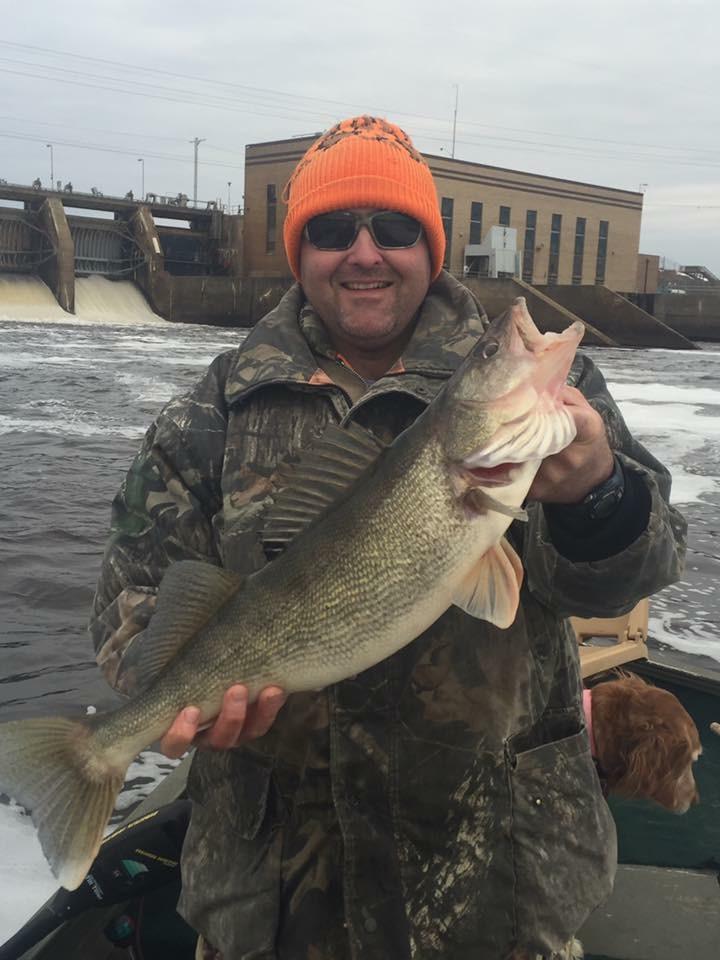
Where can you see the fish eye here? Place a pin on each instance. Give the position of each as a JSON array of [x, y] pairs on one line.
[[489, 349]]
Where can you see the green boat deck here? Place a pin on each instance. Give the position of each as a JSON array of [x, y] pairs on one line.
[[657, 914]]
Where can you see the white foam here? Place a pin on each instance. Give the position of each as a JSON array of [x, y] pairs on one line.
[[697, 638], [26, 878], [675, 432], [71, 427], [664, 393], [26, 881], [97, 301]]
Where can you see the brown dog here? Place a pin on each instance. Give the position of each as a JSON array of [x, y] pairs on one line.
[[645, 744], [644, 741]]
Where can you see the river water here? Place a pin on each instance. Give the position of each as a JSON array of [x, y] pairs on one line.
[[76, 395]]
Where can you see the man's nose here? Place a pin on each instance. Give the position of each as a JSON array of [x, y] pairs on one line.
[[363, 251]]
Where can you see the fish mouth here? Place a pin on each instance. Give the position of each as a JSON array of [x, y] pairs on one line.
[[536, 423], [542, 430], [499, 475]]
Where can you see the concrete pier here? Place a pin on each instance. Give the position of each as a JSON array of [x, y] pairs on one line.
[[58, 271]]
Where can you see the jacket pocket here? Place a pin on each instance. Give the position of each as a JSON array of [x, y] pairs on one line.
[[232, 854], [564, 842]]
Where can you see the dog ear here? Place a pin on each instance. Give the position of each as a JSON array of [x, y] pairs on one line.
[[655, 760]]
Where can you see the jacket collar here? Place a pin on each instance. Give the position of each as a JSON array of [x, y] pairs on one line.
[[283, 346]]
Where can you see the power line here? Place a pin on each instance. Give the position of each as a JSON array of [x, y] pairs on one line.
[[119, 133], [516, 143], [180, 76], [127, 153], [296, 97], [145, 85], [148, 95]]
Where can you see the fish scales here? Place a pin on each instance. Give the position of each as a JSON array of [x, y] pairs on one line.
[[420, 529]]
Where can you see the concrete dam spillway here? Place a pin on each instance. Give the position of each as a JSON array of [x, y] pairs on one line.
[[97, 300], [183, 261]]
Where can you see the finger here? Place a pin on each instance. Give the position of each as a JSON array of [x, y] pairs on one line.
[[226, 730], [262, 714], [589, 424], [181, 734], [572, 397]]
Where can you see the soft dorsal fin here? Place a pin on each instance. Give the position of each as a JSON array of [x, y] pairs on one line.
[[491, 590], [191, 591], [317, 479]]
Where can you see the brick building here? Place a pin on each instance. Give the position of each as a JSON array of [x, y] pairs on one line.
[[553, 230]]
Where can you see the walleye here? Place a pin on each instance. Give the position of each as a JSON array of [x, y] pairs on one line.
[[374, 545]]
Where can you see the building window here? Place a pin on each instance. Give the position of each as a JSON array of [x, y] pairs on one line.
[[446, 212], [504, 217], [475, 223], [554, 258], [579, 250], [602, 252], [271, 226], [528, 261]]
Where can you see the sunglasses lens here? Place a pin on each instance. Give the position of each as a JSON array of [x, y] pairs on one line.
[[331, 231], [337, 231], [395, 230]]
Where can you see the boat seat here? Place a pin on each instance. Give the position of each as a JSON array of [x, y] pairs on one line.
[[627, 633]]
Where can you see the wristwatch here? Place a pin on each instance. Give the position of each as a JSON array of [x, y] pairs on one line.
[[603, 500]]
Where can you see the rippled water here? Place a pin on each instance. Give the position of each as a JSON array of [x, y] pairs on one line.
[[75, 399]]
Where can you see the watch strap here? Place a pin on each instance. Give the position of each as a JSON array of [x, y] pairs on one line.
[[604, 499]]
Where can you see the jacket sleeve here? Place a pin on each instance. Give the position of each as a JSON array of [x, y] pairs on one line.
[[655, 559], [163, 512]]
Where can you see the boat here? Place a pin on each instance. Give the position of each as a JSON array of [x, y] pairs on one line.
[[665, 905]]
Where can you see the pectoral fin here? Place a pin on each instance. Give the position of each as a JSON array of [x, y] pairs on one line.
[[491, 591]]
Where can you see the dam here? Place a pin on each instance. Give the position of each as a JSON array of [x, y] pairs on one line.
[[84, 253], [90, 258]]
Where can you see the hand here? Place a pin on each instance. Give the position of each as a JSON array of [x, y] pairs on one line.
[[237, 722], [568, 476]]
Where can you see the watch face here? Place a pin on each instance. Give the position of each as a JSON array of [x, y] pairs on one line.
[[606, 504]]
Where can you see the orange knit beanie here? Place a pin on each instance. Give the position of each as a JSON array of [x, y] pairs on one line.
[[362, 162]]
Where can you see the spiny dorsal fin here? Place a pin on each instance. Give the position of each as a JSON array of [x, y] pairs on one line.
[[190, 593], [316, 480]]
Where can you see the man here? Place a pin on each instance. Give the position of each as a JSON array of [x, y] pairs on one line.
[[443, 803]]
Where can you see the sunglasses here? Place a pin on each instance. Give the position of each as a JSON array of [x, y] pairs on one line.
[[338, 230]]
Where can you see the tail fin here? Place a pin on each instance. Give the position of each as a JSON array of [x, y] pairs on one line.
[[54, 767]]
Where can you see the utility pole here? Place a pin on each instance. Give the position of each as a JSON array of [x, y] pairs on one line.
[[229, 207], [141, 160], [52, 168], [457, 95], [196, 141]]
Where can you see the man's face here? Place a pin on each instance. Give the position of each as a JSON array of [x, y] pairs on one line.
[[366, 296]]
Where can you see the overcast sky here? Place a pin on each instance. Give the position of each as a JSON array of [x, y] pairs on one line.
[[620, 92]]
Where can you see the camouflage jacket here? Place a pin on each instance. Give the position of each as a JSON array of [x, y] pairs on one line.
[[441, 804]]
